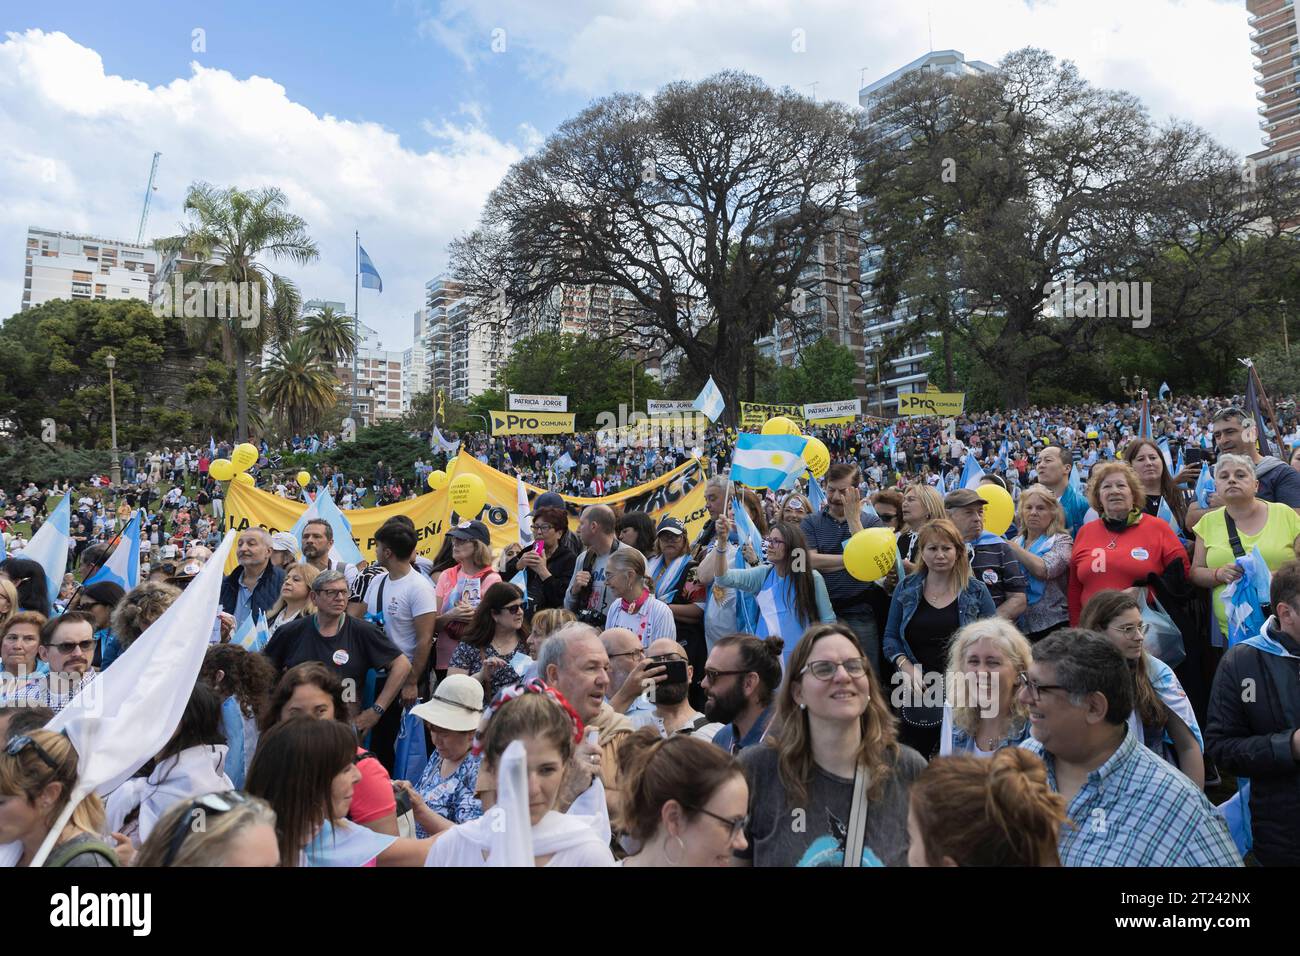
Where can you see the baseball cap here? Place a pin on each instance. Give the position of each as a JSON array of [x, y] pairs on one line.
[[471, 531], [284, 541], [670, 525], [547, 499], [962, 498]]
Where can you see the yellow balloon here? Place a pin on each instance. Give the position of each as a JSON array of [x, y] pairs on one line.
[[304, 479], [780, 425], [468, 495], [999, 511], [437, 480], [818, 457], [870, 553], [244, 478], [244, 457], [221, 469]]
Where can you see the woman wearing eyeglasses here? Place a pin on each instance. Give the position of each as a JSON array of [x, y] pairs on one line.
[[1162, 716], [548, 571], [37, 773], [790, 595], [685, 801], [216, 829], [834, 758], [494, 649]]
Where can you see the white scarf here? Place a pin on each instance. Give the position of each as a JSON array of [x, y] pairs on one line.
[[191, 773]]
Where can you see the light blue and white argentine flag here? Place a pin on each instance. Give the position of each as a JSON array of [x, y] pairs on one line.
[[816, 496], [1205, 486], [123, 565], [767, 461], [369, 274], [1246, 597], [49, 547], [344, 549], [253, 635], [745, 526], [971, 473], [710, 401]]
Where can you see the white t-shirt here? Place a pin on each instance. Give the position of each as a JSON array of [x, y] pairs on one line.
[[405, 599]]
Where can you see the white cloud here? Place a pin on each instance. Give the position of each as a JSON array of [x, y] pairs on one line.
[[1184, 58], [75, 148]]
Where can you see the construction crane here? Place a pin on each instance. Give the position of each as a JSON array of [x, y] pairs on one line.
[[148, 194]]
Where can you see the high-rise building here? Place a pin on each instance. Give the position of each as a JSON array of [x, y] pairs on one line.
[[828, 303], [379, 384], [1277, 76], [905, 371], [464, 353], [65, 265]]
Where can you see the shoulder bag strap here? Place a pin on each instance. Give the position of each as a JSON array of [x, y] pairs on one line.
[[1234, 538], [857, 832]]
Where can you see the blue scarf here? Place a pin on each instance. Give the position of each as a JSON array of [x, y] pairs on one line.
[[1039, 548]]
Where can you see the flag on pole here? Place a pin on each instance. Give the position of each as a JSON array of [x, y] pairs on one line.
[[1256, 412], [745, 526], [369, 274], [1144, 422], [523, 515], [129, 712], [253, 634], [1204, 486], [767, 461], [971, 473], [1164, 391], [49, 547], [344, 548], [1163, 445], [941, 486], [520, 580], [212, 448], [816, 496], [1178, 468], [1076, 479], [123, 565], [710, 401], [565, 463]]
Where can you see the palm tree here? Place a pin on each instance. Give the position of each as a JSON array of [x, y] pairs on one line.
[[330, 334], [297, 384], [228, 230]]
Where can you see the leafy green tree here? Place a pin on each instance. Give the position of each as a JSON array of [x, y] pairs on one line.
[[591, 371], [297, 384], [227, 232], [388, 442], [824, 372], [330, 334]]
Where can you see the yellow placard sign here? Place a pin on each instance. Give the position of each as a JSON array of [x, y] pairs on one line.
[[532, 423], [931, 403], [753, 414]]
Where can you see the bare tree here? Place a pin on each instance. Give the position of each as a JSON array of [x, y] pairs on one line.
[[705, 204]]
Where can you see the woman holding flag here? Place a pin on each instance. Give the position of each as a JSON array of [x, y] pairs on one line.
[[1244, 525], [791, 597]]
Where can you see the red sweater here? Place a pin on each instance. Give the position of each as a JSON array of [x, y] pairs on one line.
[[1146, 547]]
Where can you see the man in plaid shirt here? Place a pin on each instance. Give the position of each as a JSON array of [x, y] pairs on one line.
[[1126, 805], [68, 646]]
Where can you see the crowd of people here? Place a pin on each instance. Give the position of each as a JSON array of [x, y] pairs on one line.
[[1064, 693]]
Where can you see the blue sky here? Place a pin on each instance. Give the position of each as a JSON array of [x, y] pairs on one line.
[[397, 117]]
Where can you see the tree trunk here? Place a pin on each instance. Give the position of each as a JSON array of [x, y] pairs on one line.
[[241, 392], [948, 384], [751, 359]]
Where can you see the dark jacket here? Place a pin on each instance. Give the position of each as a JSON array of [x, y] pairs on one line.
[[548, 593], [1254, 710], [266, 593]]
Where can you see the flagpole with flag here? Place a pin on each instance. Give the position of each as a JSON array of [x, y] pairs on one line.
[[366, 275], [1258, 406]]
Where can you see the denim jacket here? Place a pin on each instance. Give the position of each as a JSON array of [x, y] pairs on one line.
[[973, 604]]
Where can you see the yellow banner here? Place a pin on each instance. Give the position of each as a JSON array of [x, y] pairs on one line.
[[249, 506], [679, 493], [755, 413], [931, 403], [532, 423]]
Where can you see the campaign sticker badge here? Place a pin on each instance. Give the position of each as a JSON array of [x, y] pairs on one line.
[[340, 657]]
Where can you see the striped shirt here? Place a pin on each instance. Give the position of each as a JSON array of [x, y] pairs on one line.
[[1137, 810]]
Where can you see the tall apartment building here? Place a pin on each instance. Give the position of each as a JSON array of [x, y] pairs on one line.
[[828, 305], [65, 265], [1277, 48], [905, 372], [380, 395]]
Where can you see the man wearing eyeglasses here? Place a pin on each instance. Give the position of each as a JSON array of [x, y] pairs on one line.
[[1128, 806], [628, 671], [68, 646], [740, 678]]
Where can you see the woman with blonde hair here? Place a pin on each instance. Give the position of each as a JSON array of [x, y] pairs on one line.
[[545, 623], [215, 829], [921, 504], [40, 769], [1135, 544], [794, 508], [927, 608], [835, 755], [981, 714], [997, 812], [8, 601], [141, 606], [295, 599], [1043, 550]]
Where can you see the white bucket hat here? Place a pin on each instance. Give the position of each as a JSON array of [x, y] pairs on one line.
[[457, 704]]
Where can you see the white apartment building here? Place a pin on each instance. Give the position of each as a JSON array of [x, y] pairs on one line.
[[65, 265], [886, 378]]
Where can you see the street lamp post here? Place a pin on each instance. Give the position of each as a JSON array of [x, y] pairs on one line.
[[116, 475]]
